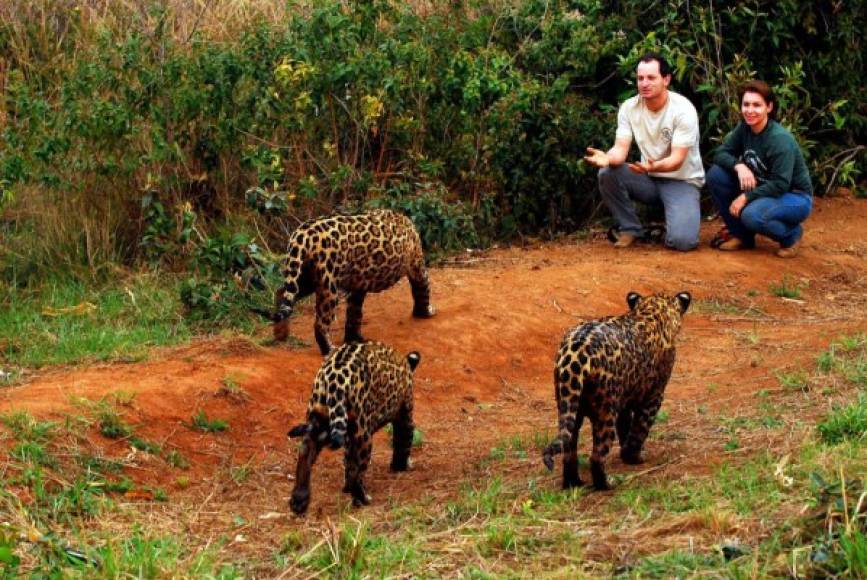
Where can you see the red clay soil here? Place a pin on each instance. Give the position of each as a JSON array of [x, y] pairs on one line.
[[487, 357]]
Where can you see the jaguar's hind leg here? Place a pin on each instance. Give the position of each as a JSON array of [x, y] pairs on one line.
[[354, 305], [419, 282], [570, 458], [630, 452], [357, 459], [326, 309], [603, 437]]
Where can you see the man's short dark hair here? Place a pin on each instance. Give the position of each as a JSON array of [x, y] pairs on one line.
[[664, 67]]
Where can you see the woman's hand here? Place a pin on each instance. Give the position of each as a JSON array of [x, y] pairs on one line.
[[746, 179], [738, 205]]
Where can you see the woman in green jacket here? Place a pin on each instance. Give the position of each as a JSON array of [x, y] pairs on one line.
[[759, 180]]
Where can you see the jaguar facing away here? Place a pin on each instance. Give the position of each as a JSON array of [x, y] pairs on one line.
[[357, 254], [614, 372], [360, 388]]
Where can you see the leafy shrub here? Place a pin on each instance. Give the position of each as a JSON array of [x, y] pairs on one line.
[[443, 226], [839, 546], [334, 103], [235, 278]]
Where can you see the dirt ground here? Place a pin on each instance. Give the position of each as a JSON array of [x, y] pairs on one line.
[[486, 367]]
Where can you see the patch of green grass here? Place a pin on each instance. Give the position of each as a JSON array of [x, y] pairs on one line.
[[176, 459], [850, 359], [731, 307], [845, 423], [146, 446], [25, 427], [674, 564], [99, 464], [733, 425], [541, 439], [232, 390], [499, 536], [497, 454], [826, 361], [354, 549], [751, 337], [32, 452], [68, 322], [417, 437], [240, 473], [201, 422], [111, 425], [786, 288], [853, 343], [794, 380], [747, 487], [145, 555], [487, 499]]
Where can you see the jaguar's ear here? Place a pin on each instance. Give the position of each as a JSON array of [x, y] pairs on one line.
[[413, 359], [684, 298], [632, 299]]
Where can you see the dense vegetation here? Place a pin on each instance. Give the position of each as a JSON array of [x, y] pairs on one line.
[[160, 134]]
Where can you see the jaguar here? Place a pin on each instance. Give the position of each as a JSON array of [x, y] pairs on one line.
[[355, 255], [614, 372], [360, 388]]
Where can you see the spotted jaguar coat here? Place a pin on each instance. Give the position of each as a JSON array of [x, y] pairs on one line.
[[614, 372], [356, 254], [359, 389]]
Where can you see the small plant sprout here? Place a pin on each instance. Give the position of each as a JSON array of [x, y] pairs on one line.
[[201, 422], [787, 288], [794, 380], [233, 391]]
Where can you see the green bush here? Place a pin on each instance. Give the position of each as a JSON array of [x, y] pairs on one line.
[[444, 226], [339, 102]]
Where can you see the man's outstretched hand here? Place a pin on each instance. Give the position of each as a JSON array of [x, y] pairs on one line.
[[596, 157]]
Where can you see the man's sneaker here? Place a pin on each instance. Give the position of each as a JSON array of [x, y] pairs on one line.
[[732, 245], [789, 252], [624, 240]]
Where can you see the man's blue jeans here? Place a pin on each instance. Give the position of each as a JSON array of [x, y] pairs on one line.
[[778, 218], [620, 185]]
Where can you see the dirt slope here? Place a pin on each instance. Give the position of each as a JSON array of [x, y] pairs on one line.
[[486, 363]]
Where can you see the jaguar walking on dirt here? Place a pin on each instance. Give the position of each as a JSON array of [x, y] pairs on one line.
[[359, 389], [614, 371], [356, 254]]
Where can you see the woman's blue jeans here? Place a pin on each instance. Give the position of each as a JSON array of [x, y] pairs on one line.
[[778, 218]]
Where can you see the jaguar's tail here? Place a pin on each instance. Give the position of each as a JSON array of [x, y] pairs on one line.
[[566, 420], [558, 445], [337, 423]]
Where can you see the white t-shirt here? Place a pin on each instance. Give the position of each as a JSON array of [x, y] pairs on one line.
[[655, 133]]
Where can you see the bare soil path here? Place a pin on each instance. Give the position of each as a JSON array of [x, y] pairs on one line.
[[485, 374]]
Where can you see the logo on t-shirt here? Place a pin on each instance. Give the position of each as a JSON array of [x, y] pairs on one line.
[[754, 162], [666, 135]]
